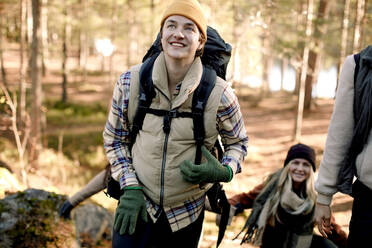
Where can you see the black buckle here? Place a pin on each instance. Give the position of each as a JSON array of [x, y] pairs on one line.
[[172, 113]]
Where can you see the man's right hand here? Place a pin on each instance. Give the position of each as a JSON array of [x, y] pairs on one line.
[[65, 210], [131, 206], [323, 219]]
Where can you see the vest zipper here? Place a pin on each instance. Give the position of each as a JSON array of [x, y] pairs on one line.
[[163, 169], [164, 160]]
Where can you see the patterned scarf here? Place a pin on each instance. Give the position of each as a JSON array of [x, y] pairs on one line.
[[289, 201]]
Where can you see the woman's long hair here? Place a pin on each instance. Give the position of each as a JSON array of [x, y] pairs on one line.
[[307, 191]]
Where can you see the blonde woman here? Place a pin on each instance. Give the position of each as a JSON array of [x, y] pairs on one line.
[[283, 207]]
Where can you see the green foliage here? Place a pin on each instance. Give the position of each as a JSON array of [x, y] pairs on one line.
[[67, 114], [3, 207], [81, 127], [85, 147]]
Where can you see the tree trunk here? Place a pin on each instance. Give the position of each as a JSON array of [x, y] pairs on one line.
[[35, 141], [84, 42], [301, 23], [301, 95], [131, 33], [267, 59], [79, 34], [235, 54], [3, 72], [29, 34], [64, 56], [364, 23], [114, 21], [22, 65], [357, 26], [29, 21], [153, 29], [44, 35], [266, 65], [315, 53], [344, 37]]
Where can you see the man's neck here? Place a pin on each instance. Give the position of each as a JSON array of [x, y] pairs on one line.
[[176, 72]]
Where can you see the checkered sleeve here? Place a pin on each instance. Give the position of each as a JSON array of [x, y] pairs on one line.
[[231, 128], [116, 134]]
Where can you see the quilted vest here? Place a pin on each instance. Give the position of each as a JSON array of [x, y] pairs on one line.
[[157, 156]]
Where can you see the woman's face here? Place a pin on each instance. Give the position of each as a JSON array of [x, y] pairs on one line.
[[299, 169]]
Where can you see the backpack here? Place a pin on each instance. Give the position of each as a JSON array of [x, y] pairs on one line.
[[215, 59]]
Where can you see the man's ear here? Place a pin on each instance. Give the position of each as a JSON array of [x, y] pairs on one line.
[[202, 43]]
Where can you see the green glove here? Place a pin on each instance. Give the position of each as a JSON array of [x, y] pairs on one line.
[[131, 206], [209, 172]]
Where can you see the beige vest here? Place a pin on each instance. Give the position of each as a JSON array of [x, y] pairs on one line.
[[157, 156]]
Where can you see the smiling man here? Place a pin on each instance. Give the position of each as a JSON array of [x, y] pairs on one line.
[[164, 192]]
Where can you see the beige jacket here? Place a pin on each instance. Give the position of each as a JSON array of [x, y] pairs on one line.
[[340, 133], [157, 156]]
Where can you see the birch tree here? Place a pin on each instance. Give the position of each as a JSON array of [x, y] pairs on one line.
[[344, 36], [316, 50], [301, 94]]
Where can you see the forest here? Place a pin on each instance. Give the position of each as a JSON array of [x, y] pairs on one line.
[[60, 60]]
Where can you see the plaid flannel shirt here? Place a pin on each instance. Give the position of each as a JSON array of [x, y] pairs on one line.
[[117, 138]]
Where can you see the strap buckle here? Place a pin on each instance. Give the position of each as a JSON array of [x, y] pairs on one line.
[[172, 113]]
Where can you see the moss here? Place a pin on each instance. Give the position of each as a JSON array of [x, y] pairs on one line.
[[36, 221], [3, 207]]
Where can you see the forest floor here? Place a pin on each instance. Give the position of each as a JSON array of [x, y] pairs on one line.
[[269, 124]]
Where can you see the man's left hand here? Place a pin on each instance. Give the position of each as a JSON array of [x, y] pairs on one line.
[[209, 172]]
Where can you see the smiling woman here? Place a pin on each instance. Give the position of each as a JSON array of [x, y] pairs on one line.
[[283, 206]]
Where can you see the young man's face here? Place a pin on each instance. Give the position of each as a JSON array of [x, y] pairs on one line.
[[180, 38]]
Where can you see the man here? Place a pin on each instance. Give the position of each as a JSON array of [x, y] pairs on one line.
[[164, 192], [348, 151]]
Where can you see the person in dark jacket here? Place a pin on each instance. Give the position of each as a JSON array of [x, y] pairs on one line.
[[95, 185], [283, 206]]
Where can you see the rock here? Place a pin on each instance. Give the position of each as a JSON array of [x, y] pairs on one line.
[[93, 223], [30, 219]]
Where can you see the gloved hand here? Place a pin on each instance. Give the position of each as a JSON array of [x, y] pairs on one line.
[[65, 210], [131, 206], [209, 172]]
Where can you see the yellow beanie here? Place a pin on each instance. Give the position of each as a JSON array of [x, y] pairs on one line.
[[190, 9]]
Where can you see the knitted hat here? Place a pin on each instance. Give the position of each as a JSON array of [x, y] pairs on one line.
[[301, 151], [190, 9]]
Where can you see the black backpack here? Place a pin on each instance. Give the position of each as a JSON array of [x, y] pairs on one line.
[[215, 59]]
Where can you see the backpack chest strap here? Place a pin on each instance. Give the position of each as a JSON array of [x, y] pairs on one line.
[[168, 115]]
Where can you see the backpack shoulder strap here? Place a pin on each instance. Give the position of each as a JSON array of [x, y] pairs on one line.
[[199, 102], [146, 94], [356, 59], [356, 70]]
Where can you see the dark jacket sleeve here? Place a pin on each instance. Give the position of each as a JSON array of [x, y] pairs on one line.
[[246, 199], [338, 236]]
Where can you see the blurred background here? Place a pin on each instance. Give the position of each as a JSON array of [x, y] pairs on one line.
[[60, 60]]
